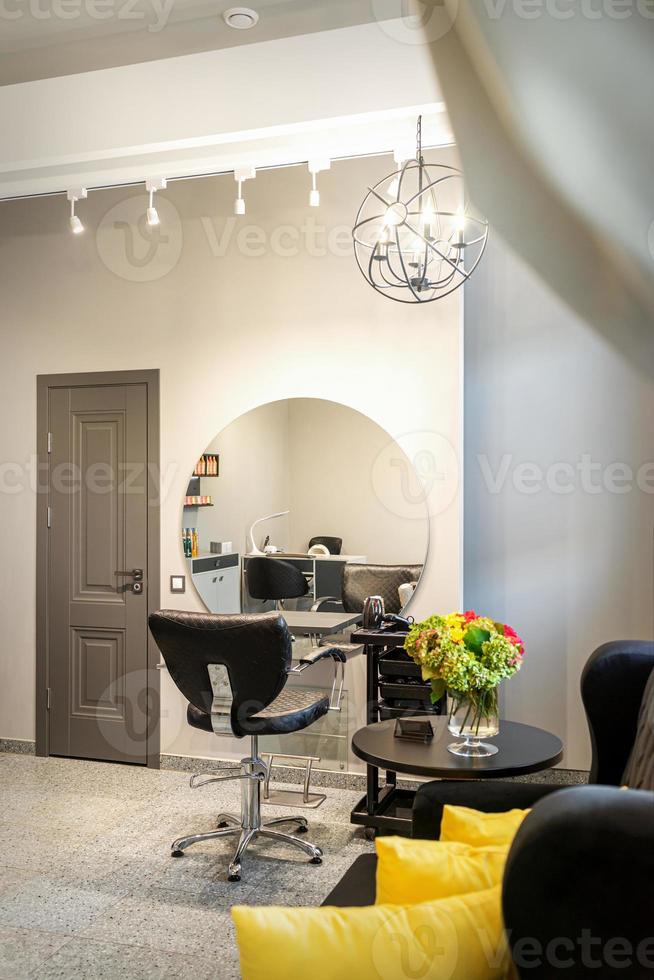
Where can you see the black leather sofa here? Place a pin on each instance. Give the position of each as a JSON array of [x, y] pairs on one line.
[[578, 890]]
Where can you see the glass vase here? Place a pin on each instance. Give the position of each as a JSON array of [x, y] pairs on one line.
[[473, 717]]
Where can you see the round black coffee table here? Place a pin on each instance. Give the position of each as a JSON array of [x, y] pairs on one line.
[[522, 749]]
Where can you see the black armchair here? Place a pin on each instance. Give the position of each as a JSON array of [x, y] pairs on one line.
[[577, 889], [233, 671], [612, 687]]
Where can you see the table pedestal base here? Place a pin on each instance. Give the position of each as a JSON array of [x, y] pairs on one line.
[[472, 748]]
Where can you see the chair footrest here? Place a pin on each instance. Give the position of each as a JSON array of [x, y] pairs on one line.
[[292, 797]]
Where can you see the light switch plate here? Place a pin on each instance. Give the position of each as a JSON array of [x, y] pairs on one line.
[[178, 583]]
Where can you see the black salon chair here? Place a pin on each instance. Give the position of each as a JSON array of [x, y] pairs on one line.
[[360, 581], [333, 545], [275, 579], [233, 669]]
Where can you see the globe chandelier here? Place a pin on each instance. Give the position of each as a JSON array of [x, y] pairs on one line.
[[415, 237]]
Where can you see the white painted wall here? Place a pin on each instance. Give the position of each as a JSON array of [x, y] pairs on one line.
[[228, 332], [569, 570]]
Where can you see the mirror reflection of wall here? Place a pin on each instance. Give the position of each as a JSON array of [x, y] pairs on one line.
[[315, 459]]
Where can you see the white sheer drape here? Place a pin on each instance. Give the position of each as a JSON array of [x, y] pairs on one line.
[[552, 107]]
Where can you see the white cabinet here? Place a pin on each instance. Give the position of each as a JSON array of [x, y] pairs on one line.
[[218, 581]]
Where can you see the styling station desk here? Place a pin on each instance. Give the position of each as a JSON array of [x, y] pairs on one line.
[[324, 571], [315, 625]]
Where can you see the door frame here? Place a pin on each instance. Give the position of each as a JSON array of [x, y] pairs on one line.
[[44, 383]]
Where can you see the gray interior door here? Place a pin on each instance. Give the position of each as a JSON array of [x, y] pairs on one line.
[[97, 609]]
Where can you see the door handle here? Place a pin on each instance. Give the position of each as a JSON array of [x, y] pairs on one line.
[[135, 573]]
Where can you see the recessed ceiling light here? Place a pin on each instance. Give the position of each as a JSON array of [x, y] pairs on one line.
[[240, 18]]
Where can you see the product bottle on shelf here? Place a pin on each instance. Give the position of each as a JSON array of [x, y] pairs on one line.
[[194, 539]]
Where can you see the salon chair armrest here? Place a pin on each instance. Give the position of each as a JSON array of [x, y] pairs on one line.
[[339, 659], [323, 653], [322, 600]]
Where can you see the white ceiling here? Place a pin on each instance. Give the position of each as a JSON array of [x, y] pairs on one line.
[[272, 103], [50, 38]]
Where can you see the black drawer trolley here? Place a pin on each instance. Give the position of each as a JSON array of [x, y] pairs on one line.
[[394, 689]]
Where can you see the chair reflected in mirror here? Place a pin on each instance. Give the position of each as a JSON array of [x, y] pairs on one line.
[[360, 581], [333, 545], [275, 580]]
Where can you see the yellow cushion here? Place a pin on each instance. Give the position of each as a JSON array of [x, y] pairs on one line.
[[411, 871], [479, 829], [459, 938]]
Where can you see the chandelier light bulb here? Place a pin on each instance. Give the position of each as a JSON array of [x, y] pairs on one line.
[[395, 215], [428, 217], [428, 214], [460, 220]]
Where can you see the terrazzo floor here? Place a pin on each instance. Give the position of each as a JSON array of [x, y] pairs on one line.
[[88, 889]]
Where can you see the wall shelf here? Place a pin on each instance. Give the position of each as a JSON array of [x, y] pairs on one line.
[[203, 462]]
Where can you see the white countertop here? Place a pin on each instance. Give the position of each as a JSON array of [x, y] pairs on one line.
[[319, 622], [352, 559]]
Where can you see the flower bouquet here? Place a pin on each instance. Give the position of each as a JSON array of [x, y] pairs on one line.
[[466, 656]]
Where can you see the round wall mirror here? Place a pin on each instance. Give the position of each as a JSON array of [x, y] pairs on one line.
[[304, 504]]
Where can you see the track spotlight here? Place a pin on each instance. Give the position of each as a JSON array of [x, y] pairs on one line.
[[241, 174], [401, 155], [152, 185], [74, 195], [315, 166]]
